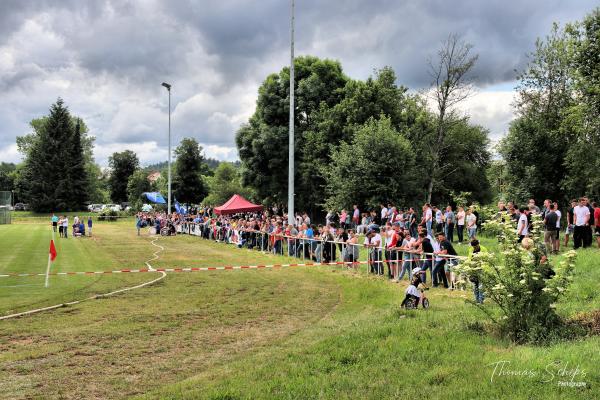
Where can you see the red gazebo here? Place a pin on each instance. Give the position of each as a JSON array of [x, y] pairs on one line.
[[237, 204]]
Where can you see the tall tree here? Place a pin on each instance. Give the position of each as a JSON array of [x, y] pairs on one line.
[[44, 180], [263, 142], [188, 186], [138, 183], [77, 172], [450, 87], [122, 166], [582, 120], [537, 141], [355, 175]]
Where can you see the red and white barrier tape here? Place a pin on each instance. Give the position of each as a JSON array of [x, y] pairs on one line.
[[201, 269]]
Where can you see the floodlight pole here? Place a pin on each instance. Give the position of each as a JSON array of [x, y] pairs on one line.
[[168, 86], [291, 219]]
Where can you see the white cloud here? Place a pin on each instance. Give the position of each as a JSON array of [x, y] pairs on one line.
[[492, 110]]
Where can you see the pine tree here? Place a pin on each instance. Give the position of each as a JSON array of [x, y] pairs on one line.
[[53, 176], [77, 175], [44, 172]]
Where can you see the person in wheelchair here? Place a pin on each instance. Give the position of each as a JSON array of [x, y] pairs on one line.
[[415, 292]]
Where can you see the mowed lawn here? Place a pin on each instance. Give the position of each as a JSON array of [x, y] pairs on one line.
[[305, 332]]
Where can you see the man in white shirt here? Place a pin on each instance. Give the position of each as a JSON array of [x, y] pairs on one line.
[[384, 214], [373, 242], [581, 220], [522, 225]]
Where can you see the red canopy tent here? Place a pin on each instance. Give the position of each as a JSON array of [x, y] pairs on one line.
[[237, 204]]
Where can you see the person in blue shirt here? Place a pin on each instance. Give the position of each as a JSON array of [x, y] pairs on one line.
[[90, 225]]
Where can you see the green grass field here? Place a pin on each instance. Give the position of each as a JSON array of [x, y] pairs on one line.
[[305, 332]]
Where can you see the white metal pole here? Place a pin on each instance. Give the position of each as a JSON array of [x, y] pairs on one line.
[[169, 201], [291, 219], [48, 270]]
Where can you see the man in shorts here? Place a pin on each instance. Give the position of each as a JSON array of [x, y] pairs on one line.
[[54, 220], [550, 218]]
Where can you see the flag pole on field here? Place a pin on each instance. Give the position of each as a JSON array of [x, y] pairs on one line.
[[51, 257]]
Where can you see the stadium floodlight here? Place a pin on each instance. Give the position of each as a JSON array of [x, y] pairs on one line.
[[168, 87]]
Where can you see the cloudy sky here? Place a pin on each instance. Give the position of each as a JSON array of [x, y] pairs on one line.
[[107, 59]]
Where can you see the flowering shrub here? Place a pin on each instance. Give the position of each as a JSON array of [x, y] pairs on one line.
[[521, 283]]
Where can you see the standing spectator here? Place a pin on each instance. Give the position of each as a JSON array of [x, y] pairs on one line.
[[412, 222], [65, 226], [476, 214], [570, 226], [408, 258], [352, 248], [391, 255], [439, 271], [427, 251], [523, 224], [439, 219], [373, 242], [587, 241], [533, 207], [355, 217], [471, 220], [581, 220], [384, 215], [138, 223], [450, 221], [550, 227], [559, 216], [597, 222], [460, 223], [427, 218], [54, 221], [477, 287], [343, 215], [89, 223]]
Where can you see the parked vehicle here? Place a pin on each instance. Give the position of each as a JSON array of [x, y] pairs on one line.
[[95, 207], [113, 207], [21, 207]]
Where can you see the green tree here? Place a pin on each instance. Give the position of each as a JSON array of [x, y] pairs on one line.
[[188, 186], [582, 161], [7, 176], [79, 183], [50, 152], [355, 174], [263, 142], [138, 183], [537, 141], [122, 166], [225, 182]]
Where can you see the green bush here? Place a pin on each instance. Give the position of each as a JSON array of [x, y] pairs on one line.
[[522, 285]]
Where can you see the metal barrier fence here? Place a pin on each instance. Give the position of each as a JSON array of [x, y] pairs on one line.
[[399, 261]]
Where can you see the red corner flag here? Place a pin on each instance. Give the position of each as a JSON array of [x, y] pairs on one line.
[[52, 250]]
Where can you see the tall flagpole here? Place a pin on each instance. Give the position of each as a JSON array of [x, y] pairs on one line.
[[291, 219]]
